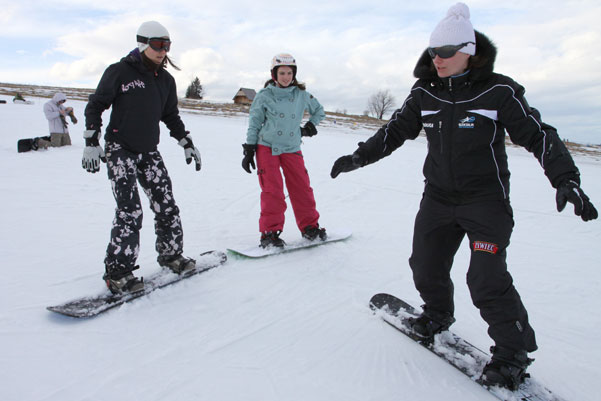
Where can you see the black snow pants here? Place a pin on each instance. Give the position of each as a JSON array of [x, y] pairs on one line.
[[439, 230], [125, 170]]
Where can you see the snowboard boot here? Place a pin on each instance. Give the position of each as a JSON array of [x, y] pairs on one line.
[[177, 263], [507, 368], [430, 323], [40, 143], [272, 238], [313, 232], [121, 283]]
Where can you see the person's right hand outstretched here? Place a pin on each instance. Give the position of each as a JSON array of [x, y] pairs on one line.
[[346, 163]]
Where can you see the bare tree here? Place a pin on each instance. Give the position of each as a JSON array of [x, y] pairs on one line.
[[380, 103]]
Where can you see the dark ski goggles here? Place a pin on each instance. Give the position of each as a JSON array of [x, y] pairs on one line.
[[159, 44], [156, 44], [447, 51]]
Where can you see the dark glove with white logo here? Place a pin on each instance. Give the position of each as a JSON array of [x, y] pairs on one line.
[[92, 152], [347, 163], [190, 150], [309, 129], [249, 157], [569, 191]]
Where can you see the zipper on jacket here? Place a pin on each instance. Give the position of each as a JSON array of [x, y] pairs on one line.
[[440, 134], [450, 84]]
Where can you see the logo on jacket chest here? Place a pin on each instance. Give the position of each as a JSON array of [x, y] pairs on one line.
[[467, 122], [132, 85]]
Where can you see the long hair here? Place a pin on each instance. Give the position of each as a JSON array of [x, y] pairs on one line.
[[155, 67], [294, 82], [166, 61]]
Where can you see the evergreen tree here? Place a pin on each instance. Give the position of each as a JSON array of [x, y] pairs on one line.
[[195, 90]]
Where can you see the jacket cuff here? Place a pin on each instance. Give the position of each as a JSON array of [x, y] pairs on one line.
[[179, 135], [566, 177]]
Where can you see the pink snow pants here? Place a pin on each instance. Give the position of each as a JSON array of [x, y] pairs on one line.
[[273, 203]]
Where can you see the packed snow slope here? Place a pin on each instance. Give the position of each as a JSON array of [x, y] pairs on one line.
[[293, 327]]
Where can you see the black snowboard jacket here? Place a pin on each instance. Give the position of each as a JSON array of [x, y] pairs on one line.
[[140, 99], [465, 119]]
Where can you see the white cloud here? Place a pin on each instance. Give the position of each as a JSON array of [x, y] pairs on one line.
[[346, 51]]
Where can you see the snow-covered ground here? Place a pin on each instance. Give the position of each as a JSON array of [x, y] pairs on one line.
[[294, 327]]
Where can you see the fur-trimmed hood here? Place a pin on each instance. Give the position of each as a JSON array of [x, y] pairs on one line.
[[58, 97], [481, 64]]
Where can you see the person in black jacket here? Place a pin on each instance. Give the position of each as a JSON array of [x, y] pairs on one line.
[[142, 94], [465, 109]]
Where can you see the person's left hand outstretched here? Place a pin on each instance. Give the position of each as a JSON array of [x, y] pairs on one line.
[[570, 191]]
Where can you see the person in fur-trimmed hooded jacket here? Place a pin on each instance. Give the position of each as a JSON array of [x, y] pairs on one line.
[[465, 109], [55, 113]]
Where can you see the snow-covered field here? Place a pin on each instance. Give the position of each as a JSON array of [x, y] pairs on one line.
[[294, 327]]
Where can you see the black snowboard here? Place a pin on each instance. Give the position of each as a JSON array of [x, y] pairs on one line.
[[94, 305], [25, 145], [464, 356]]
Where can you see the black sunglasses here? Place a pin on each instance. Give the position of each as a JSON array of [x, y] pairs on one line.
[[447, 51], [156, 44]]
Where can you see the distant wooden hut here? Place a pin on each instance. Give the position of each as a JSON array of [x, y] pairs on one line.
[[244, 96]]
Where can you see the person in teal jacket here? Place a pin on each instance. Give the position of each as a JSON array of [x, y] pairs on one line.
[[274, 136]]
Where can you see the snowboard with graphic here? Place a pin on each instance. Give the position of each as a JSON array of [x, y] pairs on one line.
[[94, 305]]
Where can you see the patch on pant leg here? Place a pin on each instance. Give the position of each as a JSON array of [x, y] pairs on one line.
[[485, 247]]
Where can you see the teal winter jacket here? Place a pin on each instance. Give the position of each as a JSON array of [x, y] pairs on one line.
[[276, 115]]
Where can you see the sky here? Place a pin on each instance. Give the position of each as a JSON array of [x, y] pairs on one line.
[[345, 51]]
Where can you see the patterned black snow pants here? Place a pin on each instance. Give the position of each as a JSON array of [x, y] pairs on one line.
[[125, 169], [439, 230]]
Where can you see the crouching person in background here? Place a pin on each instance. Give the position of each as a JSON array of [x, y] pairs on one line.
[[56, 114]]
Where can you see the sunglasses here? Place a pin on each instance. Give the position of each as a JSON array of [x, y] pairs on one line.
[[447, 51]]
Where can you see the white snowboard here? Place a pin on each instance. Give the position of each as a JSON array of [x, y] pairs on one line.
[[258, 252]]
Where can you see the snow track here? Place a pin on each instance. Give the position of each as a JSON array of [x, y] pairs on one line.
[[293, 327]]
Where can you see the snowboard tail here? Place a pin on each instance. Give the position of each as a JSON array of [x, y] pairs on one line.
[[95, 305], [258, 252], [467, 358]]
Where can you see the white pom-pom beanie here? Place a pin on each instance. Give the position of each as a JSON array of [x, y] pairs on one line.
[[454, 29], [150, 29]]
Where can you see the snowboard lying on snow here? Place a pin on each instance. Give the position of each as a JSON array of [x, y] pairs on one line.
[[25, 145], [454, 350], [94, 305], [258, 252]]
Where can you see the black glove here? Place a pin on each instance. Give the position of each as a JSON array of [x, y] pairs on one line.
[[569, 191], [309, 129], [249, 155], [347, 163]]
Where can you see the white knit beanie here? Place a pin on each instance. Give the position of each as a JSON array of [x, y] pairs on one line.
[[454, 29], [150, 29]]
